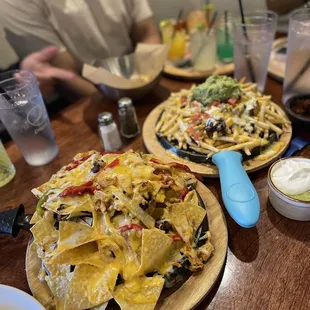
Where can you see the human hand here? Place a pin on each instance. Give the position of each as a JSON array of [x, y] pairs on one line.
[[39, 64]]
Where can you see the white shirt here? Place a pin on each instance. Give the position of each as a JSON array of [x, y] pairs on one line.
[[89, 29]]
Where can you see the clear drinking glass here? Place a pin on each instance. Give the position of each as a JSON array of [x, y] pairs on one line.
[[224, 37], [24, 115], [203, 49], [252, 46], [7, 170], [297, 74]]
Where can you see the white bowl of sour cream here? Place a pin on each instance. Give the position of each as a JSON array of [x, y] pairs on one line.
[[289, 187]]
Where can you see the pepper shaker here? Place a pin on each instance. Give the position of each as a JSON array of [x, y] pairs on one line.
[[129, 126], [109, 132]]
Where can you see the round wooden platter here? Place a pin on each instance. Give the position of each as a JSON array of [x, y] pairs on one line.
[[207, 170], [188, 74], [189, 294], [276, 67]]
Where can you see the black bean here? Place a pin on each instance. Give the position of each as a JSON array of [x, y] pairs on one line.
[[96, 167]]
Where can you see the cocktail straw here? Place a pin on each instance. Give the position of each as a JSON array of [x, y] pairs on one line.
[[226, 27], [247, 56], [177, 22], [208, 12]]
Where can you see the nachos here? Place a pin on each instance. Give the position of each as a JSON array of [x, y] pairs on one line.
[[118, 226]]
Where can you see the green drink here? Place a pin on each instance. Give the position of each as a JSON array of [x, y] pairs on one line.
[[224, 38], [225, 52], [7, 170]]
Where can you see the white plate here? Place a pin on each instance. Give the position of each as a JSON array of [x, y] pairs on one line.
[[12, 298]]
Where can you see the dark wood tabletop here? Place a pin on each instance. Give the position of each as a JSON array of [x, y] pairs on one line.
[[267, 267]]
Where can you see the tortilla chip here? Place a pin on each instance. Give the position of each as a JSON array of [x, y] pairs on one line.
[[45, 235], [141, 294], [91, 286], [35, 218], [85, 254], [69, 204], [192, 198], [73, 234], [156, 248], [186, 218]]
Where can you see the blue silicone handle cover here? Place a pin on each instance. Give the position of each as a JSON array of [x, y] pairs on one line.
[[239, 195]]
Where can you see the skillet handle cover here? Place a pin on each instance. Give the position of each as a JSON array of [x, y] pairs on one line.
[[238, 193], [8, 221]]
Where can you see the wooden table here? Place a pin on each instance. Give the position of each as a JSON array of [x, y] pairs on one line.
[[267, 267]]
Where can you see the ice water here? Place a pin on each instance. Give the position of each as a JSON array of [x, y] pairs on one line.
[[255, 50], [29, 127], [203, 50], [7, 170], [297, 74], [23, 113]]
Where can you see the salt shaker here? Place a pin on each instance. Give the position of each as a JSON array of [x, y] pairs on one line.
[[129, 126], [109, 132]]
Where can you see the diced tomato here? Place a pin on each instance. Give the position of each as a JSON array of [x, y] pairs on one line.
[[207, 115], [175, 237], [193, 133], [86, 188], [184, 192], [180, 166], [232, 100], [113, 164], [76, 163], [129, 227], [196, 117], [112, 152], [156, 161]]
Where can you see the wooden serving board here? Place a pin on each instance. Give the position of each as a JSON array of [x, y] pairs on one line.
[[276, 67], [207, 170], [189, 294], [188, 74]]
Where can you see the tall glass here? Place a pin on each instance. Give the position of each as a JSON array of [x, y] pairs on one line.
[[252, 46], [224, 38], [7, 170], [24, 115], [203, 49], [296, 93]]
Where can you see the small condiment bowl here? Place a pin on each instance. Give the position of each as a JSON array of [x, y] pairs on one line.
[[289, 207], [294, 117]]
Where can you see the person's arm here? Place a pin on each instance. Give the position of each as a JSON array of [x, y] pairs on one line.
[[284, 6], [145, 32], [28, 30], [78, 85]]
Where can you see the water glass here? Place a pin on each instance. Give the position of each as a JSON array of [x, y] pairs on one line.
[[24, 115], [297, 74], [203, 50], [224, 38], [7, 170], [252, 46]]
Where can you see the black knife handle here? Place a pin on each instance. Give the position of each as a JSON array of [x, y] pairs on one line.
[[8, 221]]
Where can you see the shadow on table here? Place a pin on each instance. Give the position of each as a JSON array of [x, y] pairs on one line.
[[298, 230]]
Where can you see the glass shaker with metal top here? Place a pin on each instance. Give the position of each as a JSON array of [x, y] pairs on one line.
[[129, 126], [109, 132]]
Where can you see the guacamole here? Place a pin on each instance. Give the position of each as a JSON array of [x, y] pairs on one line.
[[217, 87], [304, 196]]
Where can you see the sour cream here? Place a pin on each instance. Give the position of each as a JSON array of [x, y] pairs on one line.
[[292, 176]]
